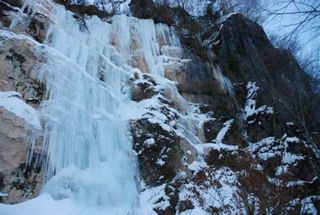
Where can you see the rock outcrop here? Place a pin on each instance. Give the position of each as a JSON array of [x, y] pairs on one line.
[[21, 92], [252, 136], [19, 126], [19, 69]]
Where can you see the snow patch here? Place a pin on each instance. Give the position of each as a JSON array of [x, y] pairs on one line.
[[250, 108], [224, 130], [11, 101]]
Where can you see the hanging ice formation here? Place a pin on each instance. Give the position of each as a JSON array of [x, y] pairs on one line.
[[90, 156]]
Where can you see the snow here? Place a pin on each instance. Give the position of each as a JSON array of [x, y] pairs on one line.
[[3, 194], [197, 165], [154, 197], [308, 206], [250, 108], [224, 130], [160, 162], [220, 192], [88, 187], [290, 123], [262, 146], [275, 181], [289, 158], [195, 211], [202, 148], [149, 141], [301, 182], [10, 94], [11, 101], [271, 147], [45, 204]]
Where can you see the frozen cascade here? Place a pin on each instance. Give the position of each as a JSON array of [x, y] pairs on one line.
[[85, 132], [91, 164], [90, 156]]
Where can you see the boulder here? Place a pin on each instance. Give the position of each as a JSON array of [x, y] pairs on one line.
[[20, 62], [20, 180]]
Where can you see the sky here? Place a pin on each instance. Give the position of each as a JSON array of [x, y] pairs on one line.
[[308, 36]]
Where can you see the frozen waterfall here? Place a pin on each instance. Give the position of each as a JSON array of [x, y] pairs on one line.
[[87, 138], [91, 166]]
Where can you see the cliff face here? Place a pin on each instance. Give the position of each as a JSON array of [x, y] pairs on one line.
[[256, 132], [221, 121]]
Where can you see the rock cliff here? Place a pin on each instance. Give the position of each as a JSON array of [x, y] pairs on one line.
[[21, 92], [255, 136]]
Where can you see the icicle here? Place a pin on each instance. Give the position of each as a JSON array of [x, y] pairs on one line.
[[87, 140], [86, 137]]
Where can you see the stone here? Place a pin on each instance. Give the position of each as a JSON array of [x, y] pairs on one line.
[[19, 64], [142, 86], [14, 148]]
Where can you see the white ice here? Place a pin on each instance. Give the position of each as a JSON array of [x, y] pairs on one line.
[[91, 165]]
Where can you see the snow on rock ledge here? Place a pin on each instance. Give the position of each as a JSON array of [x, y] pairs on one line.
[[17, 120], [11, 102]]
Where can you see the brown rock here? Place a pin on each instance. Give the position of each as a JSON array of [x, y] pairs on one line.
[[19, 181], [19, 64]]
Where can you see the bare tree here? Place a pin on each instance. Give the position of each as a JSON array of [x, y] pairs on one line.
[[250, 8], [111, 6], [302, 17], [187, 4], [193, 7], [163, 2], [305, 12]]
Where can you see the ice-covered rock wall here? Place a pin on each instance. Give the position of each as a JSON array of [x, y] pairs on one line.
[[86, 134], [120, 115]]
